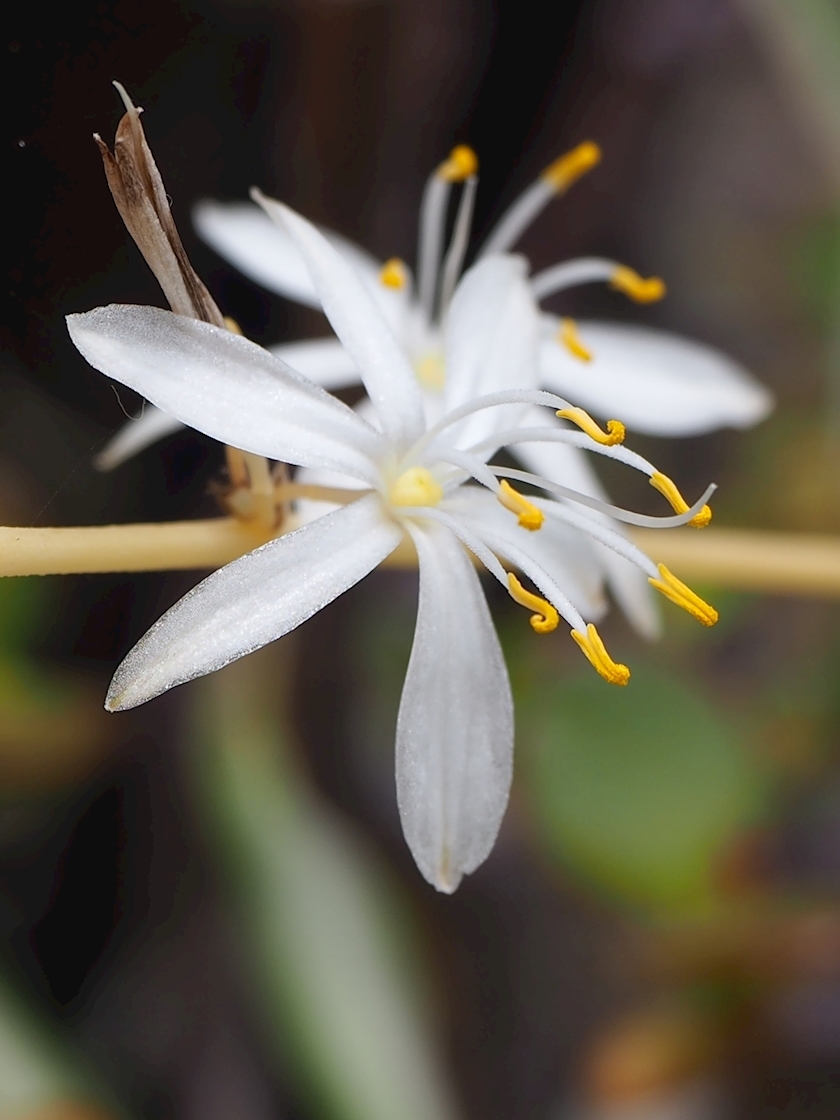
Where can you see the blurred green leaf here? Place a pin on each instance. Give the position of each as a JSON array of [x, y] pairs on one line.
[[319, 924], [24, 607], [636, 789], [36, 1070]]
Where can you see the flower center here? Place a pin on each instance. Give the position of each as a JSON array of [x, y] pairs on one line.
[[416, 487], [431, 372]]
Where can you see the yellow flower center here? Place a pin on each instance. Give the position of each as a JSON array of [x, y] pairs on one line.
[[431, 372], [416, 487]]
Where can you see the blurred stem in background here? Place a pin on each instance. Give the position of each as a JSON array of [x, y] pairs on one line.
[[317, 922], [40, 1079]]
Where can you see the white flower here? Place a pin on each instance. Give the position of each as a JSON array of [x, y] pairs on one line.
[[657, 382], [402, 476]]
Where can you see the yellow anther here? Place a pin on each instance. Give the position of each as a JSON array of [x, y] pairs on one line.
[[232, 325], [530, 516], [431, 371], [570, 166], [637, 287], [416, 487], [393, 274], [570, 338], [597, 656], [609, 438], [666, 487], [461, 164], [675, 590], [546, 617]]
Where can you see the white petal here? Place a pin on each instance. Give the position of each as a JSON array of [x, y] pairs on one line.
[[355, 318], [322, 360], [654, 382], [255, 599], [628, 584], [244, 235], [455, 726], [136, 436], [225, 386], [492, 335], [566, 555]]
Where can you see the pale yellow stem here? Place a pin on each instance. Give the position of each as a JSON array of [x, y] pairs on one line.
[[749, 559], [738, 559], [167, 546]]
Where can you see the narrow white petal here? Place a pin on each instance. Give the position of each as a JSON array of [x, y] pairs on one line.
[[255, 599], [492, 335], [358, 322], [567, 556], [455, 726], [225, 386], [654, 382], [136, 436], [322, 360], [628, 584], [244, 235]]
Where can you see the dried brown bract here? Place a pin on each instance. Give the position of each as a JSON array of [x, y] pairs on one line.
[[139, 193]]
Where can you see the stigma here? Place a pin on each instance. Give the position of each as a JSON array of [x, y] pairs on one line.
[[569, 167], [570, 338], [615, 429], [545, 617], [530, 516], [638, 288], [416, 487], [461, 164], [675, 590], [597, 656], [667, 488]]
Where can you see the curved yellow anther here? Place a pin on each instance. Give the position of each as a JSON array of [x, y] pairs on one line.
[[546, 617], [416, 487], [638, 288], [597, 656], [609, 438], [675, 590], [570, 338], [569, 167], [232, 325], [393, 274], [530, 516], [666, 487], [461, 164]]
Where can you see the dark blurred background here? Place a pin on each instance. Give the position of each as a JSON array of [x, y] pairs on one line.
[[577, 970]]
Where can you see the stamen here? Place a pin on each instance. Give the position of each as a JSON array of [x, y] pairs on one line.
[[572, 165], [625, 280], [393, 274], [416, 487], [667, 488], [232, 325], [530, 516], [461, 164], [568, 335], [596, 654], [458, 246], [545, 619], [675, 590], [614, 434]]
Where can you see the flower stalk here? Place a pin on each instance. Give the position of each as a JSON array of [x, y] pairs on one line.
[[733, 559]]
